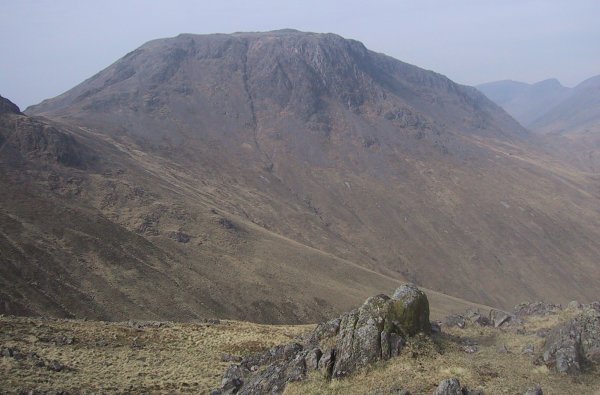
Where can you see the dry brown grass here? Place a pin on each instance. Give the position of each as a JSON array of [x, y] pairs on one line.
[[172, 358], [425, 362], [186, 358]]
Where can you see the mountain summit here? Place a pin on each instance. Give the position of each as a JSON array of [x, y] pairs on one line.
[[285, 176]]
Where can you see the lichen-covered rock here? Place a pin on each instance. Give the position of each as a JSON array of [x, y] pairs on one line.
[[359, 339], [572, 344], [449, 387], [377, 329], [411, 314]]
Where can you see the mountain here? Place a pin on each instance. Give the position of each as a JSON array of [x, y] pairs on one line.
[[525, 102], [579, 110], [567, 118], [285, 176]]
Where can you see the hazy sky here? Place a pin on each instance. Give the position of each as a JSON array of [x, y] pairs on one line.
[[49, 46]]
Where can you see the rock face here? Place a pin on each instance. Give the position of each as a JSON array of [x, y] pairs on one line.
[[572, 345], [375, 331]]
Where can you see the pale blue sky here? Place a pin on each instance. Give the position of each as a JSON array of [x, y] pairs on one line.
[[49, 46]]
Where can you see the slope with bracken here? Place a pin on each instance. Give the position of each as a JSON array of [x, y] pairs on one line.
[[343, 156]]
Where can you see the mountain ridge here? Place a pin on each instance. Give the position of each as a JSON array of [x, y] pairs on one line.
[[317, 139]]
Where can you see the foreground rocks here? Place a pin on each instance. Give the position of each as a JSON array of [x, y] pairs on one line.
[[377, 330], [574, 344]]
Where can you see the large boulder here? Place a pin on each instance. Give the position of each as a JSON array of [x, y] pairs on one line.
[[409, 310], [377, 330], [573, 344]]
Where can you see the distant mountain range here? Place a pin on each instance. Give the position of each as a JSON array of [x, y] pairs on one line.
[[571, 115], [280, 177]]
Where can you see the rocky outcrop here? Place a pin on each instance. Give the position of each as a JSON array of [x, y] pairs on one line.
[[536, 308], [377, 330], [8, 107], [572, 345]]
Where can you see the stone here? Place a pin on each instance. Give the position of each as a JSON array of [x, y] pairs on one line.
[[534, 391], [502, 349], [327, 329], [455, 320], [274, 378], [449, 387], [376, 330], [312, 359], [528, 349], [412, 314], [499, 318], [470, 349], [573, 343], [56, 366], [179, 236], [233, 379], [326, 362], [536, 308], [476, 317]]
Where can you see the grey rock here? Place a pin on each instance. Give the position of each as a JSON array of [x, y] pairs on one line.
[[273, 379], [327, 329], [233, 379], [573, 343], [499, 318], [327, 361], [449, 387], [455, 320], [502, 349], [397, 342], [476, 317], [312, 359], [179, 236], [63, 340], [528, 349], [412, 314], [534, 391], [470, 349]]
